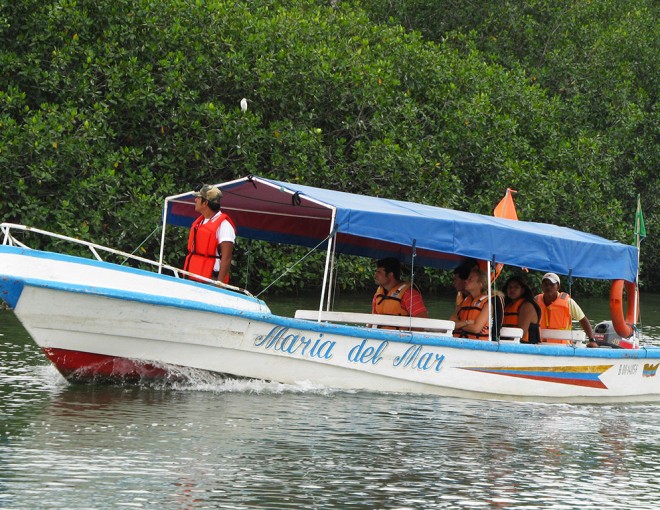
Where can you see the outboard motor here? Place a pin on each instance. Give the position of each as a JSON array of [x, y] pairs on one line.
[[606, 336]]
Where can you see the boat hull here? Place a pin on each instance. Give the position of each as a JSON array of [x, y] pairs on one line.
[[93, 337]]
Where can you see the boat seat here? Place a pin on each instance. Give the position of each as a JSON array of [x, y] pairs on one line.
[[428, 325], [508, 334], [573, 336]]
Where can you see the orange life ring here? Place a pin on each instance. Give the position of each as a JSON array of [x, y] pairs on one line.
[[623, 325]]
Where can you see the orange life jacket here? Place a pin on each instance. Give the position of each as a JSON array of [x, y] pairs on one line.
[[470, 310], [390, 303], [556, 315], [512, 313], [512, 316], [203, 246]]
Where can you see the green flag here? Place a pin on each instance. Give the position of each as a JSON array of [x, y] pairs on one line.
[[640, 229]]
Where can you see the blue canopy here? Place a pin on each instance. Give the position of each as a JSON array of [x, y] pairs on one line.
[[377, 227]]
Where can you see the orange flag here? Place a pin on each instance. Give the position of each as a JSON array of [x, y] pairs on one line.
[[505, 209]]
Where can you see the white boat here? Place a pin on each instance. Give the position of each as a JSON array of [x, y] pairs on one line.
[[97, 320]]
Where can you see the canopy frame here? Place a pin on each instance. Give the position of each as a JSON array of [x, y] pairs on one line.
[[374, 227]]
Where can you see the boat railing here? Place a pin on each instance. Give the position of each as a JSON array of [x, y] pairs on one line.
[[8, 239], [374, 320]]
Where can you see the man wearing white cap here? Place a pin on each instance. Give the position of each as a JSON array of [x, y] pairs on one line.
[[211, 239], [558, 310]]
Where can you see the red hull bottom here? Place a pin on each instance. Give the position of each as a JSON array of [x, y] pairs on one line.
[[84, 367]]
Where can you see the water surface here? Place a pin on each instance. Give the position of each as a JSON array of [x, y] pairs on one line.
[[215, 443]]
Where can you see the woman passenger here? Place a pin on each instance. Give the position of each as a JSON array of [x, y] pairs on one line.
[[520, 309], [471, 316]]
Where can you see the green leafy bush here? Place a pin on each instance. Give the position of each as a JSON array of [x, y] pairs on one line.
[[107, 107]]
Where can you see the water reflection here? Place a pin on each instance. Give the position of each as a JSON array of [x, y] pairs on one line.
[[258, 448]]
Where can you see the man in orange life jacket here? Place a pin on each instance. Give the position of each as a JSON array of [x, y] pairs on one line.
[[211, 239], [393, 296], [559, 309]]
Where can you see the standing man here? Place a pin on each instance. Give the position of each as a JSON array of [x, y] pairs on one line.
[[393, 296], [558, 310], [211, 239]]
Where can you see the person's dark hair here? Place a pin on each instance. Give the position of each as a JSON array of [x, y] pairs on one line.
[[214, 205], [463, 270], [390, 265], [527, 291]]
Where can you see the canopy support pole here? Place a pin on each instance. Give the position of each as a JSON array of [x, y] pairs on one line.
[[326, 279], [162, 238], [412, 277], [490, 303], [249, 258], [332, 275], [638, 243]]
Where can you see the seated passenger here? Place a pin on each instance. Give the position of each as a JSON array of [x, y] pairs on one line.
[[558, 310], [393, 296], [520, 309], [471, 318], [461, 274]]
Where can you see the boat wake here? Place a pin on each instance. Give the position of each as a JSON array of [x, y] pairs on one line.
[[191, 379], [187, 379]]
